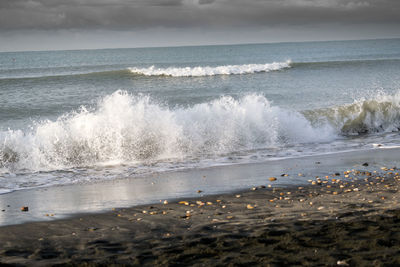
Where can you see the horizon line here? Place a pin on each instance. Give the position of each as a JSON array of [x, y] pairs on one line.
[[199, 45]]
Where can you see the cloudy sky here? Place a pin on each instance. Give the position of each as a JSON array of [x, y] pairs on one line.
[[81, 24]]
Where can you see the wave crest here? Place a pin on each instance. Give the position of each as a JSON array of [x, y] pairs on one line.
[[125, 128], [379, 114], [211, 71]]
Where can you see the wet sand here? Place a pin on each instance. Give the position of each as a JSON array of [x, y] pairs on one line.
[[334, 220]]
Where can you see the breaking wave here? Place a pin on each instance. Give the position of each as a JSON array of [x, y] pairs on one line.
[[133, 128], [124, 128], [363, 116], [210, 71]]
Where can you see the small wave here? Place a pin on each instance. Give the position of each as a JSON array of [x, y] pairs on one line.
[[117, 72], [342, 63], [363, 116], [210, 71]]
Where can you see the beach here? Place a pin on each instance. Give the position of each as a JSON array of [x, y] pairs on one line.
[[348, 217], [268, 154]]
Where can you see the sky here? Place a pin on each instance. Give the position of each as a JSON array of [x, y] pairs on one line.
[[92, 24]]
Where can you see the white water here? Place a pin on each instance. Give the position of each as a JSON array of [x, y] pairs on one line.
[[125, 128], [210, 71]]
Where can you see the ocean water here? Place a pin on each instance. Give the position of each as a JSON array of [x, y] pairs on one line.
[[82, 116]]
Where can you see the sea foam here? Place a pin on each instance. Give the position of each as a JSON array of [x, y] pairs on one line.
[[129, 129], [125, 128], [210, 71]]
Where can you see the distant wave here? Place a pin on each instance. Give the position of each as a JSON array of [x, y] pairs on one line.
[[53, 73], [119, 72], [211, 71]]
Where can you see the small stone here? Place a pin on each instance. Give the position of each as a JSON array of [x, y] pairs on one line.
[[342, 263], [250, 207], [365, 164], [272, 179], [199, 191], [165, 202], [24, 208], [184, 203], [238, 196]]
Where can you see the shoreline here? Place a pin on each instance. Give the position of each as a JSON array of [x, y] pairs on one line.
[[330, 221], [66, 201]]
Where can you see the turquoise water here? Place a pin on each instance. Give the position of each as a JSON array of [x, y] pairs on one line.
[[77, 116]]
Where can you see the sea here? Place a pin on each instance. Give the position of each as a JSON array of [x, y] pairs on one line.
[[71, 117]]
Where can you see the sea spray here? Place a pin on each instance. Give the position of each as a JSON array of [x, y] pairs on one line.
[[130, 129], [126, 128]]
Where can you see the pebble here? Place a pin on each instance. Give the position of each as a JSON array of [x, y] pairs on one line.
[[24, 208], [272, 179], [250, 207], [342, 263]]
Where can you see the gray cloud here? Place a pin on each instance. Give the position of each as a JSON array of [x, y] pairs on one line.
[[144, 14]]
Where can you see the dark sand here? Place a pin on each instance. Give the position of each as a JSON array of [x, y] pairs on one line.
[[328, 223]]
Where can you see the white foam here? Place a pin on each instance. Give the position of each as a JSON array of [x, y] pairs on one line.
[[125, 128], [210, 71]]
